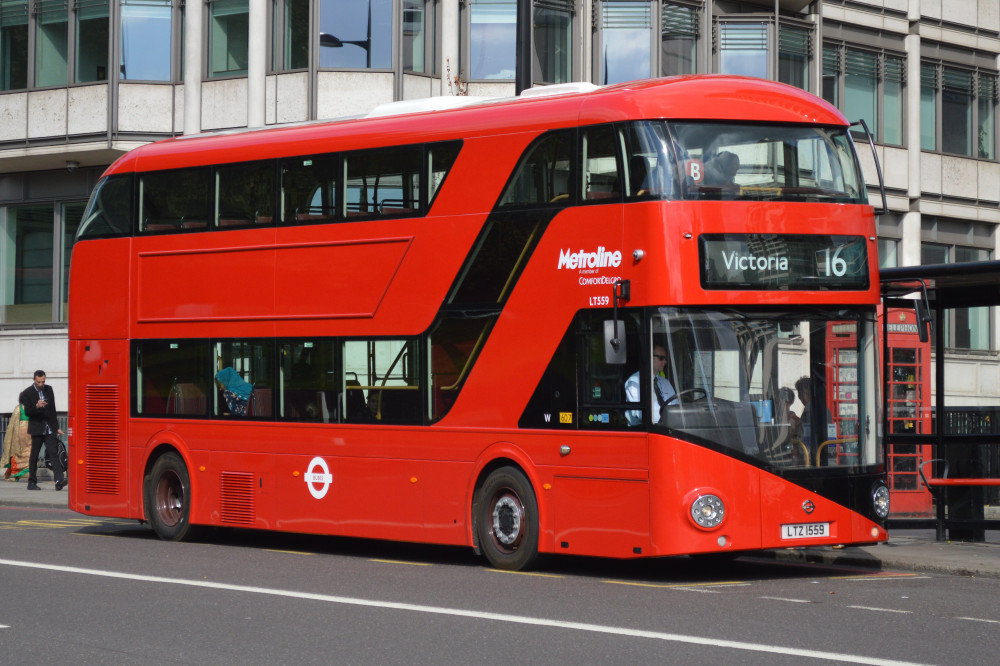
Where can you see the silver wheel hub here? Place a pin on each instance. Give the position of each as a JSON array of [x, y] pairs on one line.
[[506, 520]]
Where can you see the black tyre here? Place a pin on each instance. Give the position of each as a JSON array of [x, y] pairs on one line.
[[167, 498], [507, 520]]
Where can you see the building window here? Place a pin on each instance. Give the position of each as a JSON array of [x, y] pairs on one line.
[[794, 51], [145, 40], [91, 41], [678, 39], [894, 74], [355, 35], [51, 43], [887, 249], [866, 85], [928, 107], [861, 88], [28, 287], [35, 261], [626, 46], [831, 75], [228, 32], [72, 214], [291, 34], [958, 110], [625, 49], [743, 48], [986, 129], [965, 328], [492, 39], [553, 41], [13, 44], [420, 36]]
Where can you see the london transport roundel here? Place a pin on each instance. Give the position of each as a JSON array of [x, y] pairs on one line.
[[318, 482]]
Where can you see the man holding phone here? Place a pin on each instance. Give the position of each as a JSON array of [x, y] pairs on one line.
[[39, 404]]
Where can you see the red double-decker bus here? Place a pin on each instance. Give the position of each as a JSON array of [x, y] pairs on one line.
[[594, 321]]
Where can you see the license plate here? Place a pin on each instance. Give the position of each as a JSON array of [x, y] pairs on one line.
[[805, 530]]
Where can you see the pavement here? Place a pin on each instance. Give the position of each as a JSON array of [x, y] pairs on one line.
[[906, 550]]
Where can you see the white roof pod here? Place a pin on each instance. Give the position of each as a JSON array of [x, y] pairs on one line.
[[559, 89], [441, 103]]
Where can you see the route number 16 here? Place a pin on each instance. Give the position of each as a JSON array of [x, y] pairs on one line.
[[834, 265]]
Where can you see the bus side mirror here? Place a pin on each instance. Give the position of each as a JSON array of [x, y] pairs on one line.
[[614, 342], [923, 318]]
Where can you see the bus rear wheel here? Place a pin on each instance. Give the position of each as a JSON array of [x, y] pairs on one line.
[[507, 520], [167, 498]]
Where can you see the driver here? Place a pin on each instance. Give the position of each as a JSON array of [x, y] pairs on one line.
[[663, 392]]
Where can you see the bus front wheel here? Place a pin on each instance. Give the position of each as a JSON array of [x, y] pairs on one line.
[[507, 520], [167, 498]]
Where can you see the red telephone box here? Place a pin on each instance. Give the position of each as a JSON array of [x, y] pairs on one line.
[[906, 383], [908, 399]]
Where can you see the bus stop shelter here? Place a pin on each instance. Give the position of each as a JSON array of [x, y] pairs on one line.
[[962, 470]]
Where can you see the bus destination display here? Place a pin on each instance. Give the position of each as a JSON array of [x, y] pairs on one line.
[[797, 262]]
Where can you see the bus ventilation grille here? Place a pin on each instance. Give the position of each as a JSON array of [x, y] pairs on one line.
[[237, 498], [102, 440]]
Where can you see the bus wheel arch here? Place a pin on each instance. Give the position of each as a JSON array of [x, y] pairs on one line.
[[167, 495], [505, 516]]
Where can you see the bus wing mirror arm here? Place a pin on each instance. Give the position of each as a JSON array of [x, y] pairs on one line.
[[614, 341], [923, 308], [878, 167]]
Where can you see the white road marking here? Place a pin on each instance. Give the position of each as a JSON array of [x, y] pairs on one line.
[[881, 610], [794, 601], [978, 619], [481, 615]]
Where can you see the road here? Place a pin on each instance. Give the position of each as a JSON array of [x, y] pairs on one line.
[[84, 590]]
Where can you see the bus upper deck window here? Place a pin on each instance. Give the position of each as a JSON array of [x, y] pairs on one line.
[[726, 161], [649, 162]]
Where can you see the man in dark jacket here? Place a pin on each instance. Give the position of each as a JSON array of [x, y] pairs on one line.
[[39, 404]]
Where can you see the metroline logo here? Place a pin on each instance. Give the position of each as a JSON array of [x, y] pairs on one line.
[[583, 259]]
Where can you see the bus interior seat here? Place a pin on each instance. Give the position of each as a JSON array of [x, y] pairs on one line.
[[260, 402], [390, 207], [187, 398], [164, 224], [638, 176], [356, 405], [400, 405], [234, 221]]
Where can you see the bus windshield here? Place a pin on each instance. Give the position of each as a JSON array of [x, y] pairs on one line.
[[729, 162], [789, 388]]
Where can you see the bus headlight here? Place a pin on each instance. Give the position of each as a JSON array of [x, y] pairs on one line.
[[880, 500], [708, 511]]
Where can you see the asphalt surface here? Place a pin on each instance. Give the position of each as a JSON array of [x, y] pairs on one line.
[[906, 550]]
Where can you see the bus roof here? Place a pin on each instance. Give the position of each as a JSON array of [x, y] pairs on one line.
[[697, 97]]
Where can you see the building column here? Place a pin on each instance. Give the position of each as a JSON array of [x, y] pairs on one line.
[[192, 66], [450, 18], [909, 250], [257, 64]]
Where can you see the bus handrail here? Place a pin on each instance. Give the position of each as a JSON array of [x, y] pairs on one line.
[[945, 481], [836, 440]]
